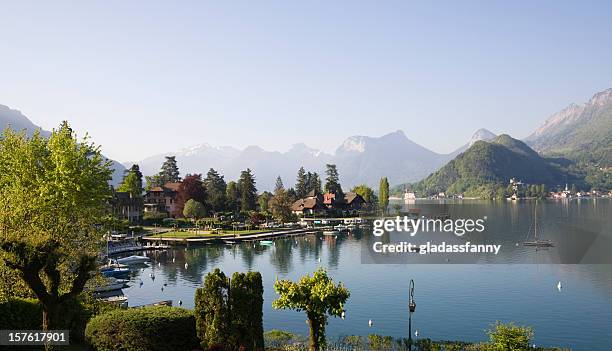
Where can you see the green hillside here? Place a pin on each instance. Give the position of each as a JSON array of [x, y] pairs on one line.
[[486, 168]]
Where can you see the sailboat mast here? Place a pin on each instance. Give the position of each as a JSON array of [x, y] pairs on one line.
[[535, 220]]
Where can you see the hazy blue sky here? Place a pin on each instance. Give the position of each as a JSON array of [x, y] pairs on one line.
[[144, 77]]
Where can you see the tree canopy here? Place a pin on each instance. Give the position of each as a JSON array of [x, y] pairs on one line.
[[332, 182], [318, 296], [54, 200], [248, 191]]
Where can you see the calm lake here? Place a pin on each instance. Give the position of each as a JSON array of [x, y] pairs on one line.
[[454, 301]]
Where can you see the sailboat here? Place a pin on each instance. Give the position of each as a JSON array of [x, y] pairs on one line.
[[537, 242]]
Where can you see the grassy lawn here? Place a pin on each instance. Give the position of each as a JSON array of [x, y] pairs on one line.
[[207, 234]]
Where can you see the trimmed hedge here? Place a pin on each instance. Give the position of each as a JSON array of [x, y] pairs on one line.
[[143, 329], [18, 313]]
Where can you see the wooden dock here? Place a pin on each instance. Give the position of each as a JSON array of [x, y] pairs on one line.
[[232, 238]]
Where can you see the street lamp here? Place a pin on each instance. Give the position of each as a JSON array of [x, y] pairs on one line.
[[411, 309]]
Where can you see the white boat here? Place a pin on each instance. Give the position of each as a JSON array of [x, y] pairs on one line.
[[341, 227], [113, 284], [331, 232], [120, 300], [134, 259]]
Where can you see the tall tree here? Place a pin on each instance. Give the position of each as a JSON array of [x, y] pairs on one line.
[[191, 188], [170, 171], [280, 204], [215, 191], [54, 197], [264, 201], [316, 183], [383, 194], [233, 196], [318, 296], [301, 183], [248, 191], [132, 182], [332, 182]]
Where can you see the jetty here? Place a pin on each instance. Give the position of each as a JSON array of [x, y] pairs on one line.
[[228, 238]]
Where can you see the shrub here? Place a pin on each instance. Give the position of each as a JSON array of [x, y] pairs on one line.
[[510, 337], [17, 313], [148, 328]]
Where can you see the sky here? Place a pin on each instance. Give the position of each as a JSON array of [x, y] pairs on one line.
[[146, 77]]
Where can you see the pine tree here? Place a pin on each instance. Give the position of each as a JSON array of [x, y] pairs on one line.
[[332, 182], [248, 191], [233, 196], [215, 191], [169, 171], [132, 182], [301, 183]]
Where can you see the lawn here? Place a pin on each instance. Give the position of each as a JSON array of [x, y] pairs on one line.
[[207, 234]]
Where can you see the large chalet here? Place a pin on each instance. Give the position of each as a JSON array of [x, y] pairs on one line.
[[315, 204]]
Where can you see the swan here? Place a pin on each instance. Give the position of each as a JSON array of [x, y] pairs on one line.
[[370, 323], [559, 286]]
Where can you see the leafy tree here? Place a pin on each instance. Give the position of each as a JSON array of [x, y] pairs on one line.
[[509, 337], [132, 182], [383, 194], [280, 204], [154, 181], [366, 192], [170, 171], [301, 184], [191, 188], [233, 196], [332, 182], [215, 191], [54, 194], [194, 209], [264, 201], [248, 191], [318, 296]]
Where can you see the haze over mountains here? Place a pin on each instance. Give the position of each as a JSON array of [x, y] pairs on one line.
[[18, 121], [360, 159]]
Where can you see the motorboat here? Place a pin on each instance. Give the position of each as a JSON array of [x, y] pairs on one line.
[[330, 232], [134, 259], [113, 284]]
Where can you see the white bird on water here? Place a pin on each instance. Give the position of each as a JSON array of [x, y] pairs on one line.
[[370, 323], [559, 286]]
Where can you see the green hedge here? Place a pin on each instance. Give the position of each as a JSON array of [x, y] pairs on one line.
[[18, 313], [139, 329]]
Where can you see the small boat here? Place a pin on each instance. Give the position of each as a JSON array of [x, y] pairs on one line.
[[266, 242], [330, 232], [537, 242], [120, 300], [134, 259], [341, 227], [113, 284]]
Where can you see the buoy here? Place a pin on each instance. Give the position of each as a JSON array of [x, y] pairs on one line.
[[162, 288], [152, 275], [173, 259], [186, 265], [370, 323], [319, 259], [559, 287], [343, 315], [180, 302], [159, 264], [416, 333]]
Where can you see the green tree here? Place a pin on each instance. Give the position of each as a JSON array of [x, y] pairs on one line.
[[248, 191], [246, 309], [318, 296], [280, 204], [264, 201], [332, 182], [212, 311], [366, 192], [215, 191], [233, 196], [154, 181], [301, 183], [194, 209], [54, 194], [132, 182], [509, 337], [383, 194], [170, 171]]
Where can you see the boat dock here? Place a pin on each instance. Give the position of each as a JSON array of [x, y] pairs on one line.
[[230, 238]]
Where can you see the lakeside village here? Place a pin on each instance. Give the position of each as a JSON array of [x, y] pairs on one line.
[[517, 190], [54, 276]]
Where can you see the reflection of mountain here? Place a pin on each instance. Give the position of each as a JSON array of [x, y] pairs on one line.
[[17, 121]]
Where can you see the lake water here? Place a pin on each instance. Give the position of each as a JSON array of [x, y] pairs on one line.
[[454, 301]]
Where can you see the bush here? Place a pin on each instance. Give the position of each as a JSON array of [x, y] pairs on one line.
[[17, 313], [143, 329]]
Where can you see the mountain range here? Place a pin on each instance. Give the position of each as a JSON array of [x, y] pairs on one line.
[[578, 132], [360, 160], [18, 121]]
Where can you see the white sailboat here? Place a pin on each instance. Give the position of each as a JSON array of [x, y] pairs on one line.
[[537, 242]]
